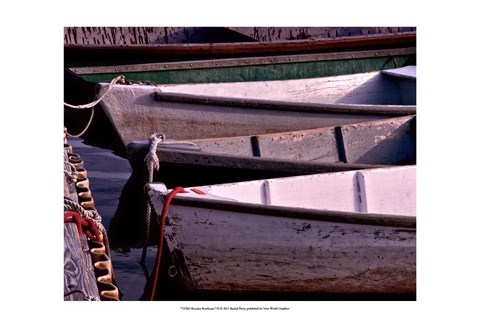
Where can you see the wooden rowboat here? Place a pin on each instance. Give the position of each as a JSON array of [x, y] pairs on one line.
[[224, 160], [349, 233], [235, 58], [137, 111]]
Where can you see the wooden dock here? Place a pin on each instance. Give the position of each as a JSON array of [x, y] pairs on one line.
[[88, 271]]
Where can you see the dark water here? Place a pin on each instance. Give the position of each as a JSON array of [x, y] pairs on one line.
[[108, 174]]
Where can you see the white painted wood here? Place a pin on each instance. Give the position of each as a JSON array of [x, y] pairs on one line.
[[380, 191], [327, 191], [390, 191], [364, 88]]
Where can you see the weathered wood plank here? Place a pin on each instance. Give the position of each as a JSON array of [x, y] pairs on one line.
[[241, 146], [364, 88], [388, 142], [299, 33], [79, 277], [233, 252], [309, 145], [224, 38], [146, 35]]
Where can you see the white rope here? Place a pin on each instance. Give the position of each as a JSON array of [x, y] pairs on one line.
[[86, 127], [151, 159], [153, 163], [70, 205], [119, 78]]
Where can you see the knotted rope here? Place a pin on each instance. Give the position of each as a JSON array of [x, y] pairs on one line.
[[119, 79], [153, 163], [86, 226]]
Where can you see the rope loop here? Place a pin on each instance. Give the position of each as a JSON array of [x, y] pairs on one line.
[[90, 230], [119, 79]]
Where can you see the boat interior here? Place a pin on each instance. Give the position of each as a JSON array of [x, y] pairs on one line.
[[389, 142], [380, 191], [388, 87]]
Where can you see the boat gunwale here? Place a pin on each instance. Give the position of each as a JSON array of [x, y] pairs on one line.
[[400, 221], [360, 109], [244, 61], [167, 155], [380, 39]]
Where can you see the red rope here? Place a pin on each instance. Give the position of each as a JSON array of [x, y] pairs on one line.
[[166, 205], [91, 230]]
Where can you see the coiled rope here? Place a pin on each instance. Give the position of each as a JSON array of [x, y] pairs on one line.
[[119, 79], [86, 226], [72, 206]]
